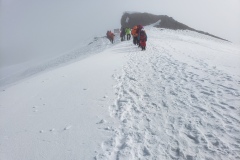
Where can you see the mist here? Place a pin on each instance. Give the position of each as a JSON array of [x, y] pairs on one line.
[[40, 29]]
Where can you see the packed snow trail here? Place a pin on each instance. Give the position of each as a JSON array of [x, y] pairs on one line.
[[169, 109]]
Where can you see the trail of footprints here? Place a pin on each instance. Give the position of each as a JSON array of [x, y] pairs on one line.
[[168, 110]]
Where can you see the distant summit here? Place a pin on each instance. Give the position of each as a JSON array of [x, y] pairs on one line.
[[131, 19]]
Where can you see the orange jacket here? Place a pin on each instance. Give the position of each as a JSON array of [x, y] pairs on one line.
[[111, 35], [134, 31]]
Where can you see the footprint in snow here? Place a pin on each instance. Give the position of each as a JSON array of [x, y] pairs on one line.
[[35, 108], [67, 127], [102, 121], [105, 96], [51, 130]]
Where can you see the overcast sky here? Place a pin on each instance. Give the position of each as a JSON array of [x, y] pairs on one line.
[[37, 28]]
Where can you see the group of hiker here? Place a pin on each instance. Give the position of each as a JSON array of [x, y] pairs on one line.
[[139, 36], [124, 32], [138, 33]]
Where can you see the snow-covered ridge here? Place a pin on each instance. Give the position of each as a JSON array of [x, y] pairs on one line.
[[17, 72], [155, 24]]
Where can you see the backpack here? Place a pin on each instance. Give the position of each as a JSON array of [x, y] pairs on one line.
[[111, 35], [134, 31]]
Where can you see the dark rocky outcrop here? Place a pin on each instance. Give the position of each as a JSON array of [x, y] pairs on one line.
[[132, 19]]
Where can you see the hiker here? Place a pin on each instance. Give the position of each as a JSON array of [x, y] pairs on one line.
[[134, 35], [143, 39], [123, 33], [110, 36], [128, 33], [139, 28]]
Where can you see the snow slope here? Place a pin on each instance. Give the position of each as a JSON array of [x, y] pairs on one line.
[[56, 114], [179, 99], [14, 73]]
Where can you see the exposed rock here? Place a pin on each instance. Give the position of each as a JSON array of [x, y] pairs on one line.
[[132, 19]]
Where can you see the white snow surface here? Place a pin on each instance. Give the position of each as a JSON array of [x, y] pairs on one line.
[[179, 99]]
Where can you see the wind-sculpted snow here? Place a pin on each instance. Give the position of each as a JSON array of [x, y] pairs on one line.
[[97, 45], [21, 71], [174, 101]]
